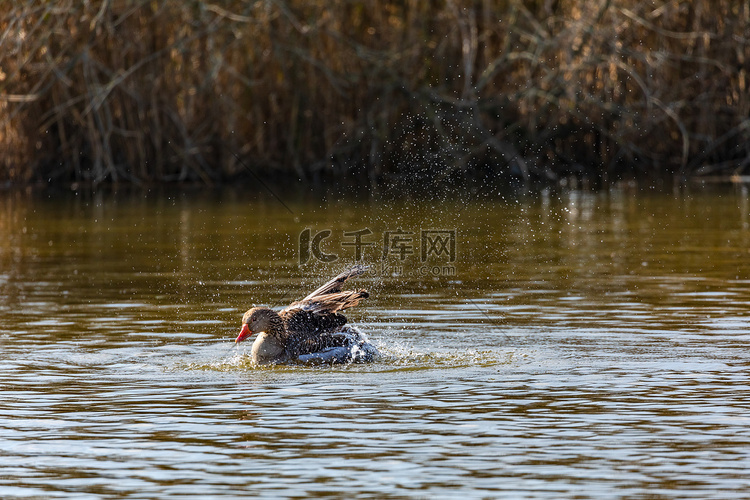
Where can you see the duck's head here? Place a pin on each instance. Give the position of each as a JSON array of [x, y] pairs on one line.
[[256, 320]]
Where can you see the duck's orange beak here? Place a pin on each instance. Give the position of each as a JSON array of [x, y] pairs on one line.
[[244, 333]]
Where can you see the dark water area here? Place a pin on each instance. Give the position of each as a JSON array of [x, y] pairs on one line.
[[555, 345]]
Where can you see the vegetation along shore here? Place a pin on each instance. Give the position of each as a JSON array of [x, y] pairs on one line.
[[167, 91]]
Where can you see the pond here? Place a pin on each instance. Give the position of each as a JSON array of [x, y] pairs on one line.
[[549, 345]]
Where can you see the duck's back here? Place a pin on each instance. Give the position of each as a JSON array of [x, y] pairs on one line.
[[311, 331], [315, 323]]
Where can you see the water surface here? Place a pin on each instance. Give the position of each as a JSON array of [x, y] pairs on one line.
[[579, 346]]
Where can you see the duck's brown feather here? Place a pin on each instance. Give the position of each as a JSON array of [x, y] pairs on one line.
[[329, 303], [335, 284]]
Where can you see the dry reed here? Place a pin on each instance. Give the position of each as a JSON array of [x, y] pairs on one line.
[[169, 91]]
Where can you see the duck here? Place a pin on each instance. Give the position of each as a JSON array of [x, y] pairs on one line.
[[311, 330]]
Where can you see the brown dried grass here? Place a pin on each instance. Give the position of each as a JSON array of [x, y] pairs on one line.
[[168, 91]]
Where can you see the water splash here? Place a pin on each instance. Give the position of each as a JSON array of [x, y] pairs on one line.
[[398, 356]]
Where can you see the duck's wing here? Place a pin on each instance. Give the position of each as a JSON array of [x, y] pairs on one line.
[[334, 286], [329, 298], [330, 303], [303, 321], [309, 331]]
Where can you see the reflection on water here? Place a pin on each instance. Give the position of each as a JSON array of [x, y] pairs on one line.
[[587, 345]]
